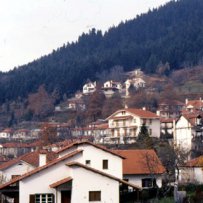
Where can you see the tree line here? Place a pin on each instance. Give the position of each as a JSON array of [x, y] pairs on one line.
[[162, 40]]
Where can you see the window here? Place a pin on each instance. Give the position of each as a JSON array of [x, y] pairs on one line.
[[147, 182], [94, 196], [105, 164], [123, 112], [88, 162], [44, 198]]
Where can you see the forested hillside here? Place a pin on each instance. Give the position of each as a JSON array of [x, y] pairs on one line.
[[171, 34]]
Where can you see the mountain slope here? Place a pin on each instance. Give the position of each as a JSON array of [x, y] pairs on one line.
[[172, 33]]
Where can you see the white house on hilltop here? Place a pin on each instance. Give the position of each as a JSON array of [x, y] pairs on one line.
[[136, 83], [89, 88], [83, 173]]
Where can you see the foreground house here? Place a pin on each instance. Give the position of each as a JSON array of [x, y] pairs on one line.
[[125, 125], [84, 172], [192, 172], [142, 168]]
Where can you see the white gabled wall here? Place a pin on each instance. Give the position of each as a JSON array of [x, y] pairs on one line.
[[16, 169], [39, 182], [96, 157], [183, 134], [85, 181]]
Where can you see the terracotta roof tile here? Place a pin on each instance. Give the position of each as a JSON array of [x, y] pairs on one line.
[[60, 182], [197, 162], [31, 158], [38, 169], [141, 162], [92, 144], [138, 112], [195, 103]]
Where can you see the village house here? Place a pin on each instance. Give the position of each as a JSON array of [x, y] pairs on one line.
[[96, 131], [142, 168], [89, 88], [15, 149], [76, 104], [22, 134], [125, 125], [24, 163], [110, 87], [67, 178], [167, 128], [194, 105], [6, 133], [191, 172], [170, 108], [137, 83], [188, 134]]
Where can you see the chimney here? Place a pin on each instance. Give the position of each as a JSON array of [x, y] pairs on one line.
[[158, 113], [42, 157], [186, 101]]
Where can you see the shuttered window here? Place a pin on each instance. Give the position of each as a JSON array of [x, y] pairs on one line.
[[94, 196]]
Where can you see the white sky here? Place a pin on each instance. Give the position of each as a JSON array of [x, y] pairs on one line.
[[32, 28]]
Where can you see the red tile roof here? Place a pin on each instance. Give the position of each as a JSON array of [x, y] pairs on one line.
[[76, 164], [38, 169], [89, 143], [197, 162], [138, 112], [195, 103], [31, 158], [141, 162], [191, 117], [143, 113], [60, 182]]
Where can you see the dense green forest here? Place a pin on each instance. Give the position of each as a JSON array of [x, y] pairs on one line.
[[171, 34]]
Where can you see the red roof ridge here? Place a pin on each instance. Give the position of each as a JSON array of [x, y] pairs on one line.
[[90, 143], [139, 112], [38, 169], [60, 182], [137, 162]]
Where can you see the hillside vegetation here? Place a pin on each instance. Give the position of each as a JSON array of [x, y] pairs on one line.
[[171, 35]]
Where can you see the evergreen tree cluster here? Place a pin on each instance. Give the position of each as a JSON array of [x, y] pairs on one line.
[[171, 35]]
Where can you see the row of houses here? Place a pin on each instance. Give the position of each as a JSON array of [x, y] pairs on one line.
[[110, 87], [79, 172], [123, 126]]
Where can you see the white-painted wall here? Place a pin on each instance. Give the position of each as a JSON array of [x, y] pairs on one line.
[[183, 134], [96, 155], [16, 169], [39, 182], [85, 181], [191, 175], [152, 124]]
